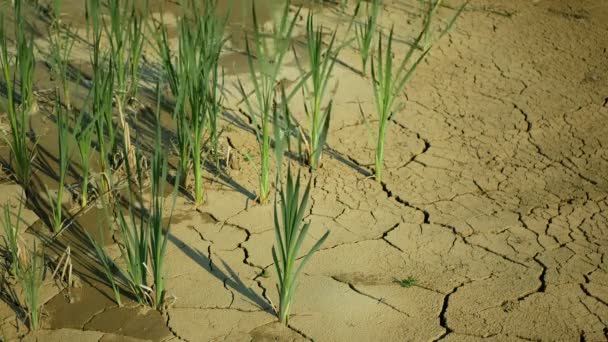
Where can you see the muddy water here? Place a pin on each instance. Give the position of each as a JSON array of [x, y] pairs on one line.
[[74, 12]]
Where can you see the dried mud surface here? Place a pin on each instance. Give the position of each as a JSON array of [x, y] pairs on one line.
[[495, 199]]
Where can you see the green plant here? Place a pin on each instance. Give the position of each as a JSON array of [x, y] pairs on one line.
[[135, 39], [125, 35], [281, 128], [83, 134], [56, 203], [194, 78], [107, 264], [11, 236], [101, 97], [19, 114], [30, 275], [134, 235], [103, 85], [160, 224], [143, 230], [61, 42], [203, 94], [408, 282], [322, 62], [102, 90], [290, 234], [365, 33], [430, 7], [176, 70], [268, 54], [389, 81]]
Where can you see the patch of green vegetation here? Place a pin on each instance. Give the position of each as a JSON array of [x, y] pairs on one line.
[[408, 282]]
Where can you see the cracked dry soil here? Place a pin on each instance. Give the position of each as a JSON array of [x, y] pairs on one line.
[[495, 199]]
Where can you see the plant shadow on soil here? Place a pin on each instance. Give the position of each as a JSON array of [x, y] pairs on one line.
[[231, 279]]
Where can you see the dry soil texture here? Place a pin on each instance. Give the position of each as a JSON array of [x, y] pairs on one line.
[[495, 200]]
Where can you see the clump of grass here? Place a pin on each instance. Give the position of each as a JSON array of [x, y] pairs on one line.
[[281, 128], [266, 57], [322, 61], [101, 105], [126, 36], [135, 39], [103, 85], [290, 233], [134, 233], [19, 115], [408, 282], [365, 32], [30, 275], [56, 202], [144, 231], [107, 265], [11, 237], [159, 229], [194, 79], [61, 42], [83, 134], [104, 123], [389, 80], [27, 267]]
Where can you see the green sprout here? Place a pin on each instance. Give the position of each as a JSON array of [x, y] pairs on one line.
[[268, 54], [408, 282], [322, 61], [19, 114], [365, 32], [56, 203], [290, 233]]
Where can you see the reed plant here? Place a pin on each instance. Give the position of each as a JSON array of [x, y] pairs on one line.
[[282, 128], [322, 61], [103, 86], [134, 232], [176, 73], [290, 231], [365, 32], [195, 79], [126, 36], [56, 202], [265, 56], [159, 222], [11, 237], [136, 40], [83, 134], [19, 114], [108, 265], [103, 122], [61, 41], [102, 90], [30, 275], [144, 231], [389, 81]]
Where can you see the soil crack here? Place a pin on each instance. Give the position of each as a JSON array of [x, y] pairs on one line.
[[443, 320], [173, 332], [379, 300]]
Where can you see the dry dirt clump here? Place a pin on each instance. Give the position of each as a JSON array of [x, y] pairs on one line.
[[490, 223]]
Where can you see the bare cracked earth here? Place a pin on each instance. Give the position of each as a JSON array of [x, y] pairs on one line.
[[495, 200]]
